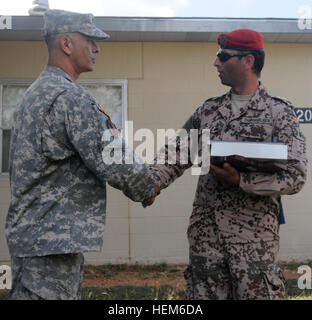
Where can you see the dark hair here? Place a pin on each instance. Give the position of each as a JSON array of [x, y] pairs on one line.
[[259, 60], [51, 41]]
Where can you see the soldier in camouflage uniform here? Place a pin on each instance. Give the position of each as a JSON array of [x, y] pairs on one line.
[[233, 229], [57, 173]]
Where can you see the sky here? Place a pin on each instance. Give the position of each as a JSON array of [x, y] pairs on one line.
[[173, 8]]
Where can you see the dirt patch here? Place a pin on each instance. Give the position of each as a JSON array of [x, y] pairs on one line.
[[138, 277], [94, 277], [291, 274]]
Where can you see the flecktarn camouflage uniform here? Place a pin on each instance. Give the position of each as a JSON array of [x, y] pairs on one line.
[[58, 180], [232, 232]]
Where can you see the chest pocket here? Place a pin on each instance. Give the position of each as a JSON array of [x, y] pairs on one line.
[[255, 132], [216, 130]]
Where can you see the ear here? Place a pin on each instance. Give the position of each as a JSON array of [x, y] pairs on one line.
[[66, 44], [250, 60]]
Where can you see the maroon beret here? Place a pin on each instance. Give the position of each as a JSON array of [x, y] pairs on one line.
[[241, 39]]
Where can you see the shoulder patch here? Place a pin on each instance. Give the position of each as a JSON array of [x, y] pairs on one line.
[[294, 116], [109, 122], [101, 109]]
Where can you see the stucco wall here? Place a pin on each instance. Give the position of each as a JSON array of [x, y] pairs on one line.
[[166, 83]]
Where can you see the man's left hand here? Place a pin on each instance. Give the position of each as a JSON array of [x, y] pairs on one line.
[[227, 174]]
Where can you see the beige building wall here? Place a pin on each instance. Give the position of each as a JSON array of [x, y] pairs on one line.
[[166, 83]]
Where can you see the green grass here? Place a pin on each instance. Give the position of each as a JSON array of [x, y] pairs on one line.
[[108, 270], [3, 295], [132, 293], [294, 265], [163, 292], [294, 293], [126, 293], [168, 293]]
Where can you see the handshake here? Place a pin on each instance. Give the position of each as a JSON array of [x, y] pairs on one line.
[[226, 173], [149, 202]]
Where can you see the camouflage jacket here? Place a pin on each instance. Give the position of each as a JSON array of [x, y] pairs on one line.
[[57, 173], [248, 212]]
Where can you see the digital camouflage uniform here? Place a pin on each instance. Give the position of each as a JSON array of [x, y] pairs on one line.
[[58, 177], [233, 233], [53, 277]]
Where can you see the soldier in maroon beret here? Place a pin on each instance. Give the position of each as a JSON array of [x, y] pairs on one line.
[[233, 230], [239, 44]]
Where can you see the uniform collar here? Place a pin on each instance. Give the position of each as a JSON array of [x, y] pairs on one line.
[[256, 102], [58, 72]]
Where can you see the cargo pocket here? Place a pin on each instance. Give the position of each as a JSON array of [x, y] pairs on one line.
[[274, 282], [199, 268]]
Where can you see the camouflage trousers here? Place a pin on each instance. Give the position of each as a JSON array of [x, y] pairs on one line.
[[53, 277], [232, 271]]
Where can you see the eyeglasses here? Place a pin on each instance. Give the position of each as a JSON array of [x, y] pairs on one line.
[[225, 56]]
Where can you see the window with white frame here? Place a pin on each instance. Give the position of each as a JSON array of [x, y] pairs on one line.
[[111, 94]]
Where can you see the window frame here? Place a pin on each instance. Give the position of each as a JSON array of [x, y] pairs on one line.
[[123, 83], [11, 82], [113, 82]]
